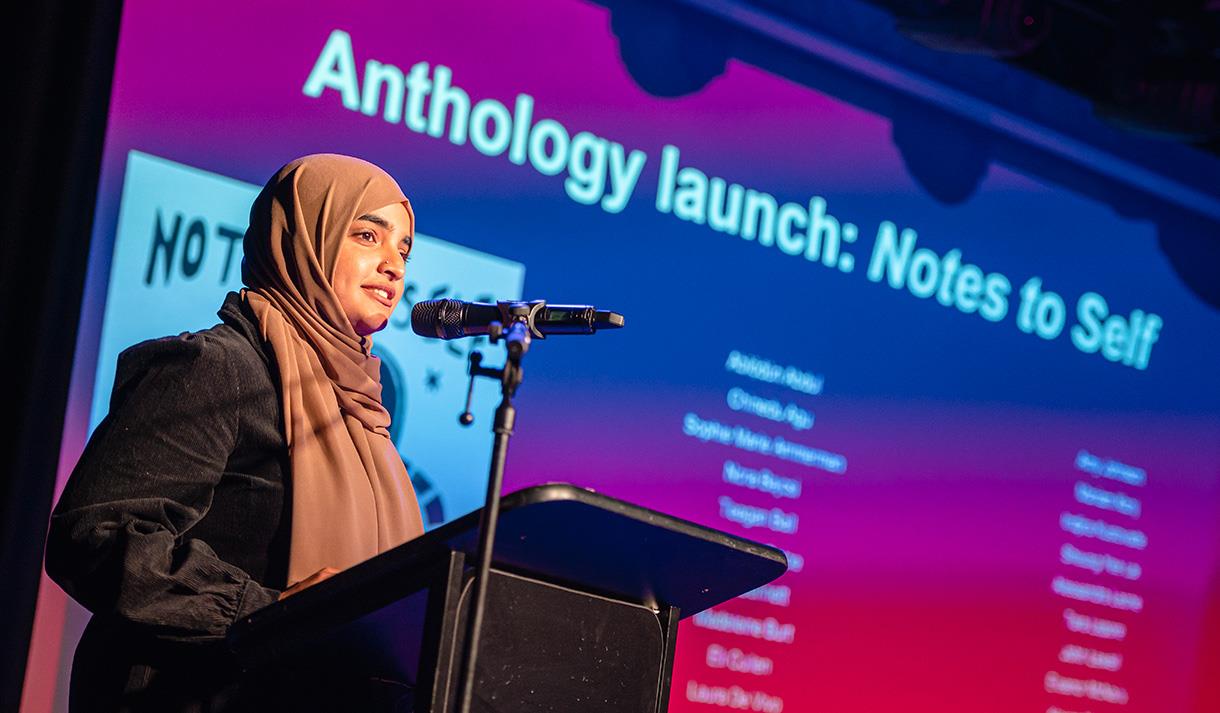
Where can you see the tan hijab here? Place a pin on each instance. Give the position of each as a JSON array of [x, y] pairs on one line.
[[351, 497]]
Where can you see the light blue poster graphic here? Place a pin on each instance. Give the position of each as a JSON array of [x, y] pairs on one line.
[[177, 251]]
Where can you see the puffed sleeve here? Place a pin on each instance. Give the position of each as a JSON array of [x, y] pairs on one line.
[[119, 538]]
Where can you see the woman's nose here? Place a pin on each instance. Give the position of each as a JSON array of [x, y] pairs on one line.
[[393, 267]]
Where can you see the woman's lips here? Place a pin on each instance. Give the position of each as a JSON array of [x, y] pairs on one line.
[[383, 295]]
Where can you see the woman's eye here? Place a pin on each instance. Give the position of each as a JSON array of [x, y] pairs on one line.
[[406, 257], [367, 236]]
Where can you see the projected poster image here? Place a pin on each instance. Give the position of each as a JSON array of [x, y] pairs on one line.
[[177, 252], [980, 422]]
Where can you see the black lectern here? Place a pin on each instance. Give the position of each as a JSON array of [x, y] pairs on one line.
[[582, 611]]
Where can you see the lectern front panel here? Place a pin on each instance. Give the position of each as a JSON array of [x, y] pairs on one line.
[[546, 648]]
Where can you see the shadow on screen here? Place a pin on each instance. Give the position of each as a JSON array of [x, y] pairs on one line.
[[672, 51]]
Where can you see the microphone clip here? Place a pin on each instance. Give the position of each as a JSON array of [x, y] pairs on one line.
[[517, 312]]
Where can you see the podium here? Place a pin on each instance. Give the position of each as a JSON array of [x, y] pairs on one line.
[[583, 605]]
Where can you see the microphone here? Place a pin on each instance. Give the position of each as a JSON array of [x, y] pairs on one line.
[[453, 319]]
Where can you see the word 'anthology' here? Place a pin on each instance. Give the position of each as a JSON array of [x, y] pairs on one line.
[[599, 171]]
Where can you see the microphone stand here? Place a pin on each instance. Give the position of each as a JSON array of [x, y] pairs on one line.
[[519, 318]]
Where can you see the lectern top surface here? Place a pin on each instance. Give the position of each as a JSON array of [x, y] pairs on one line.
[[577, 538], [592, 541]]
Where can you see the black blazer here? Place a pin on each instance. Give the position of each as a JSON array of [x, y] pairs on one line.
[[175, 522]]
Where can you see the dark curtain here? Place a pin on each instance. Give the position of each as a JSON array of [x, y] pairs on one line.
[[59, 58]]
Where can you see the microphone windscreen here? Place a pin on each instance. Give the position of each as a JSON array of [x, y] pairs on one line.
[[437, 319]]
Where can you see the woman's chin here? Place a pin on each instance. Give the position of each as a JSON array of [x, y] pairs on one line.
[[370, 325]]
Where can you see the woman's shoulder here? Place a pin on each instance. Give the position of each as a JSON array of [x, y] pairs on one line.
[[223, 356], [212, 349]]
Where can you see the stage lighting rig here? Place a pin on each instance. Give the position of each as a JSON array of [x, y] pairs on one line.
[[996, 28], [1164, 73]]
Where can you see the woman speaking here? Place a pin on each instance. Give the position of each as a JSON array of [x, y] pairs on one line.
[[245, 462]]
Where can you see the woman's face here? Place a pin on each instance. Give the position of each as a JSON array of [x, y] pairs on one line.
[[370, 266]]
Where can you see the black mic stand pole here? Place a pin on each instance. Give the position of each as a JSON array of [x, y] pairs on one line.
[[517, 340]]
